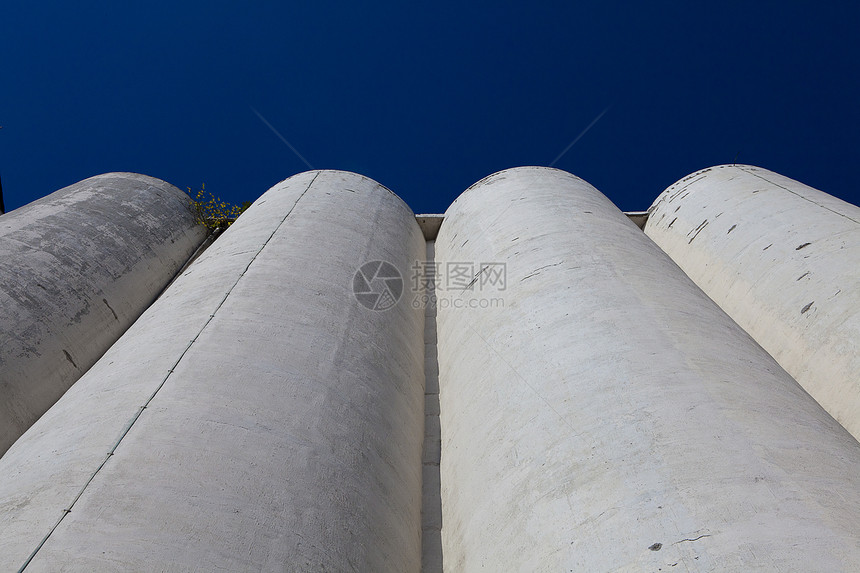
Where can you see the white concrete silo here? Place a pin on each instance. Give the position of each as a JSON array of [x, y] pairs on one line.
[[783, 260], [76, 269], [257, 417], [607, 416]]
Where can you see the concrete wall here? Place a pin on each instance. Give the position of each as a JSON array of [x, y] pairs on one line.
[[610, 417], [431, 510], [76, 269], [255, 418], [783, 260]]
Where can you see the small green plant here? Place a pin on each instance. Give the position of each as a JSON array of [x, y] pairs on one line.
[[212, 212]]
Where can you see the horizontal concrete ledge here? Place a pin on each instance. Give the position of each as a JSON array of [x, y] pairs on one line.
[[430, 223], [638, 217]]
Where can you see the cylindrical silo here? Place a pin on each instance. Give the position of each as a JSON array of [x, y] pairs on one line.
[[783, 260], [264, 414], [76, 269], [600, 413]]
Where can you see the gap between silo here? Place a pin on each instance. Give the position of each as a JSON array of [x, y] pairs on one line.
[[431, 496]]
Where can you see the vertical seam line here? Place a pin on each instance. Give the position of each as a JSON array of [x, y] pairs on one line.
[[797, 194], [140, 410]]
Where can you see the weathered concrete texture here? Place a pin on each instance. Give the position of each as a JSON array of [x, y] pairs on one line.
[[76, 269], [281, 427], [783, 260], [610, 417]]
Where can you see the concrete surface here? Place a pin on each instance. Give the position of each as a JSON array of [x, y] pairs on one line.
[[76, 269], [639, 218], [429, 224], [783, 260], [431, 505], [255, 418], [610, 417]]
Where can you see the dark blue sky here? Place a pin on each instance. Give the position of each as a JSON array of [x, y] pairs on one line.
[[426, 98]]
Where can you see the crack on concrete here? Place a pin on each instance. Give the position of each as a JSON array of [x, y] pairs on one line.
[[702, 224], [538, 270], [802, 246], [806, 308], [69, 358], [696, 178], [104, 300], [476, 277], [698, 230], [692, 538], [170, 371]]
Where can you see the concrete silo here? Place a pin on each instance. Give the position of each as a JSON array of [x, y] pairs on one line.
[[259, 416], [607, 415], [582, 404], [783, 260], [76, 269]]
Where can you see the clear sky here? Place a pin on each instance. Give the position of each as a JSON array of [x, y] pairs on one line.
[[426, 98]]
